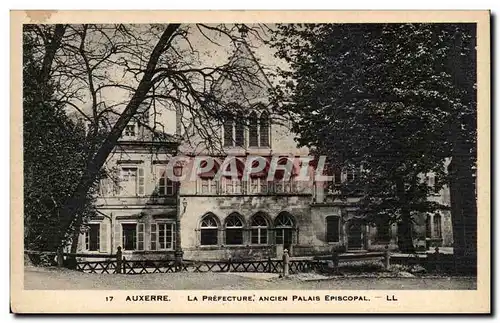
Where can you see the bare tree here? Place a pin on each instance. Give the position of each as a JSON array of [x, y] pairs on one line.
[[109, 74]]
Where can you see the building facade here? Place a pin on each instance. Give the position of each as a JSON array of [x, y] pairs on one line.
[[209, 217]]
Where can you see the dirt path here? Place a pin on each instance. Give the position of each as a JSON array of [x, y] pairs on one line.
[[57, 279]]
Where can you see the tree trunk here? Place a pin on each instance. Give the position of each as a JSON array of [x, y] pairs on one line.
[[71, 211], [463, 212], [405, 227], [405, 234]]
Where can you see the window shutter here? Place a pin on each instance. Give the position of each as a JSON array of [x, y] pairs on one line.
[[103, 239], [173, 236], [153, 236], [117, 237], [81, 242], [116, 181], [140, 181], [140, 236]]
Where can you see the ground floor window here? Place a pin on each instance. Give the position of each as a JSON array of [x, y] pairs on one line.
[[92, 237], [332, 228], [259, 230], [437, 226], [129, 235], [234, 230], [383, 232], [162, 236], [209, 230]]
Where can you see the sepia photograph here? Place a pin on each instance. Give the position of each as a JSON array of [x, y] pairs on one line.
[[272, 159]]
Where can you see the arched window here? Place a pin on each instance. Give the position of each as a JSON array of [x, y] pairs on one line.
[[259, 229], [284, 227], [437, 226], [332, 228], [428, 226], [253, 131], [239, 133], [228, 133], [234, 230], [209, 229], [264, 129]]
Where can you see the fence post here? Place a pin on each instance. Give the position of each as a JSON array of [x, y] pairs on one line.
[[286, 261], [229, 264], [118, 269], [335, 261], [387, 258], [269, 265], [124, 261]]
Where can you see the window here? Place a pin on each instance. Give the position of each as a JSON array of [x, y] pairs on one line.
[[264, 129], [129, 234], [383, 231], [234, 230], [337, 175], [165, 185], [284, 225], [162, 236], [208, 186], [132, 181], [129, 130], [239, 134], [92, 237], [209, 231], [332, 228], [234, 133], [253, 130], [428, 227], [228, 133], [259, 230], [351, 174], [437, 226]]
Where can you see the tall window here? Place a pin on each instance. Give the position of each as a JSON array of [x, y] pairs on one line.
[[209, 231], [162, 236], [259, 230], [253, 131], [351, 173], [332, 229], [92, 237], [264, 129], [165, 185], [129, 235], [132, 181], [228, 133], [384, 231], [234, 230], [428, 226], [437, 226], [284, 226], [337, 175], [239, 133]]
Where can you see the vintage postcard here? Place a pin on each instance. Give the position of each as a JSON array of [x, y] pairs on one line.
[[250, 162]]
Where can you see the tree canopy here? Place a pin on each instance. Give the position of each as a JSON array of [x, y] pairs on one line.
[[395, 99]]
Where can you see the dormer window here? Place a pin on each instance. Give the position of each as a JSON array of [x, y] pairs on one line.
[[130, 131], [255, 127]]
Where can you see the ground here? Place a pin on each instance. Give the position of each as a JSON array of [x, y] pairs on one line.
[[61, 279]]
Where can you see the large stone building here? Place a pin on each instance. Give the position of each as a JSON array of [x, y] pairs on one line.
[[205, 217]]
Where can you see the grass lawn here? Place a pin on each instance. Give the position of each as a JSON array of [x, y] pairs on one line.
[[61, 279]]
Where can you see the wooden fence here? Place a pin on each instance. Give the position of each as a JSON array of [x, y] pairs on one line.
[[118, 264]]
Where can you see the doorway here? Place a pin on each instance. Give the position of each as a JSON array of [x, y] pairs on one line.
[[355, 236]]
